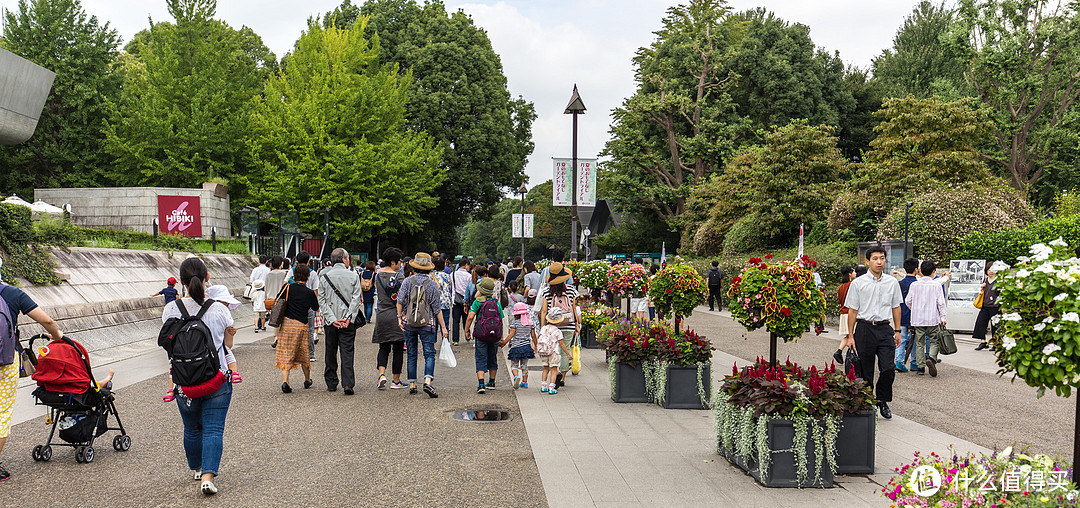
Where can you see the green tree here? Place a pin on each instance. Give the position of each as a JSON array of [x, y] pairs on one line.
[[183, 116], [1024, 64], [921, 62], [857, 126], [67, 149], [459, 97], [330, 132], [491, 237]]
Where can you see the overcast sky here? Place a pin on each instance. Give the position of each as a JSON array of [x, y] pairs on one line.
[[549, 45]]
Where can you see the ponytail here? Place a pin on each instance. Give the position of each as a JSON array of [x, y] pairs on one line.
[[192, 274]]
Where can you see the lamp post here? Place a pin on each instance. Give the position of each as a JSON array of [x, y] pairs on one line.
[[907, 207], [523, 190], [575, 107]]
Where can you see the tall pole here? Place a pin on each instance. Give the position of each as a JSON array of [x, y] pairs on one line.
[[907, 207], [573, 195], [522, 189]]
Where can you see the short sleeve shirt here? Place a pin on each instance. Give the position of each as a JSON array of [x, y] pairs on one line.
[[170, 294], [217, 319], [874, 298], [476, 307], [17, 300]]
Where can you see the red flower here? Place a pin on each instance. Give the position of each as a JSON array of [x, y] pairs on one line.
[[785, 311], [736, 280], [768, 256], [813, 264], [669, 291], [763, 266]]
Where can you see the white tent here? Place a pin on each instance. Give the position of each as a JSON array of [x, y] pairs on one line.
[[43, 207], [16, 200]]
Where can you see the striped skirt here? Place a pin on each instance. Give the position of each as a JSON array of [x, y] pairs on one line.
[[292, 345]]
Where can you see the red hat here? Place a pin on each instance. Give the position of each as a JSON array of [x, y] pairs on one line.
[[172, 280]]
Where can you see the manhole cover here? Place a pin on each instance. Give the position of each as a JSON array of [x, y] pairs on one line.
[[481, 415]]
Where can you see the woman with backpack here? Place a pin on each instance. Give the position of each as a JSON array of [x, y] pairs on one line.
[[389, 334], [420, 310], [203, 414], [558, 309]]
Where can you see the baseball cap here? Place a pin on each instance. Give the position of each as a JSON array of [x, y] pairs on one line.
[[172, 280]]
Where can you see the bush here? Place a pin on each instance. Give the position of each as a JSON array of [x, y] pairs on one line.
[[941, 217], [744, 236], [1009, 244], [709, 239], [57, 231], [1067, 204], [15, 223], [22, 258]]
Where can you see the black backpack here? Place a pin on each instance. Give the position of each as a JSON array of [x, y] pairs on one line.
[[190, 346], [715, 275]]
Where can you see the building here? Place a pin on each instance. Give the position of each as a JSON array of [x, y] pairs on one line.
[[24, 87]]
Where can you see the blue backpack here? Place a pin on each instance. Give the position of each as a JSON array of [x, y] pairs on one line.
[[8, 331]]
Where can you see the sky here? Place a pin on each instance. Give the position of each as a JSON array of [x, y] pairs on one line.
[[547, 46]]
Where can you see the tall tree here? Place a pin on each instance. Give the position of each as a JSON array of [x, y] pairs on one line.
[[1024, 63], [857, 126], [183, 116], [459, 97], [67, 150], [921, 62], [330, 132]]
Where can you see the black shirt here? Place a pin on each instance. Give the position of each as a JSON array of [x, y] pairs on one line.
[[300, 300]]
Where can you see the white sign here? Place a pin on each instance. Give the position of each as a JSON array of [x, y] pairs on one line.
[[964, 286], [517, 225], [562, 180]]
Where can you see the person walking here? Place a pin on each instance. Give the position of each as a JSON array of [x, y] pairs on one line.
[[459, 282], [203, 417], [928, 310], [367, 288], [276, 279], [446, 293], [420, 309], [560, 295], [516, 270], [292, 337], [991, 307], [874, 298], [531, 279], [260, 271], [911, 265], [169, 291], [488, 331], [389, 334], [341, 300], [522, 344], [304, 259], [714, 277]]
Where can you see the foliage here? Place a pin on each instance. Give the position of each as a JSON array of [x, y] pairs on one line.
[[491, 236], [1040, 324], [716, 205], [633, 341], [184, 111], [685, 348], [23, 258], [67, 148], [596, 315], [920, 63], [356, 158], [941, 217], [789, 390], [857, 127], [1067, 204], [677, 289], [1009, 244], [628, 279], [781, 297], [634, 232], [982, 480]]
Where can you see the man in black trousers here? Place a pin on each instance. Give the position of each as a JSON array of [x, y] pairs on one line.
[[714, 278], [873, 298]]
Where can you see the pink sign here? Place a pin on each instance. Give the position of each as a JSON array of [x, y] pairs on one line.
[[179, 215]]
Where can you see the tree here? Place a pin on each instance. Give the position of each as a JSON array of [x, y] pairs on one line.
[[857, 126], [67, 149], [182, 118], [330, 132], [680, 124], [1024, 64], [459, 97], [491, 237], [921, 62]]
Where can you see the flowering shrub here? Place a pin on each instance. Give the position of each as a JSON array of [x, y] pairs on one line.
[[596, 315], [779, 296], [677, 289], [626, 279], [591, 274], [789, 390], [633, 340], [685, 348], [1040, 327], [1000, 479]]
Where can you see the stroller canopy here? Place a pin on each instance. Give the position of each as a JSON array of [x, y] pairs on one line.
[[63, 366]]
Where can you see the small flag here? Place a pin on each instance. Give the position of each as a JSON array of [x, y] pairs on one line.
[[800, 240], [663, 254]]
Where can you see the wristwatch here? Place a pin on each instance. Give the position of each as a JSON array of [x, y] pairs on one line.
[[895, 330]]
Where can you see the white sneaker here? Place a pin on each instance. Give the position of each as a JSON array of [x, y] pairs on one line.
[[208, 488], [196, 475], [516, 381]]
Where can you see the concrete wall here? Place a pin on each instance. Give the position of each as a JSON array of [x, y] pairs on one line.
[[135, 208], [105, 303], [24, 87]]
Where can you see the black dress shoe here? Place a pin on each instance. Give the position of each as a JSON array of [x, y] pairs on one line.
[[886, 413], [412, 390], [981, 346], [931, 367], [349, 391], [430, 391], [838, 356], [331, 388], [285, 388], [308, 383]]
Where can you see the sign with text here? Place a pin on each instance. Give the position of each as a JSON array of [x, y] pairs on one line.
[[562, 179], [179, 215], [517, 226]]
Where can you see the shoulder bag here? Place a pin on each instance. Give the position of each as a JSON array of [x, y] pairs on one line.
[[359, 319], [277, 312], [978, 303], [946, 341]]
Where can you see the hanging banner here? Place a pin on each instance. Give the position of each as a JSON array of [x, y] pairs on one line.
[[520, 229], [562, 179], [528, 225], [179, 215]]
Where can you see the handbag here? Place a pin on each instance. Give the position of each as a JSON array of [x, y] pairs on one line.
[[277, 311], [946, 340], [978, 303], [459, 299], [446, 354], [575, 362], [248, 290], [851, 361]]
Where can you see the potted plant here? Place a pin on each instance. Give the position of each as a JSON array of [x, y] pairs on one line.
[[676, 290], [594, 316], [781, 423], [629, 344], [628, 280], [680, 376]]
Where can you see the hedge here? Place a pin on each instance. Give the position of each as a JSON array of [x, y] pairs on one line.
[[1006, 245]]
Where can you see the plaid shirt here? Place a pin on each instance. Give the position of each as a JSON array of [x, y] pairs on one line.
[[431, 296]]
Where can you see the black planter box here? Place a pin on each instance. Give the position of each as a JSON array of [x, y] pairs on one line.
[[629, 383], [744, 463], [588, 338], [681, 389], [855, 443], [782, 471]]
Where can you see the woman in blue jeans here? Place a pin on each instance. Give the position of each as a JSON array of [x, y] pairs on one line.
[[204, 417]]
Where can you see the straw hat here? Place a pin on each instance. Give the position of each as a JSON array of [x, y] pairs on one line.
[[557, 273], [422, 261]]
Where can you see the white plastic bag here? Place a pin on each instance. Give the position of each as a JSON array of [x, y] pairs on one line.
[[446, 354]]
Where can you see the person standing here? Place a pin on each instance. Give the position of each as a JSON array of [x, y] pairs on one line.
[[389, 334], [419, 294], [715, 277], [169, 292], [515, 270], [874, 298], [260, 271], [292, 349], [910, 267], [459, 282], [531, 278], [928, 310], [991, 307], [558, 308], [340, 300]]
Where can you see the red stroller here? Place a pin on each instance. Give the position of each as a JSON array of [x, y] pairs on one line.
[[76, 406]]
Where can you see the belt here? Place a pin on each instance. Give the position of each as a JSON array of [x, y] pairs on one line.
[[874, 323]]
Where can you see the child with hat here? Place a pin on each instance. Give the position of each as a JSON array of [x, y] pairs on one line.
[[170, 292], [486, 353], [258, 304], [522, 344]]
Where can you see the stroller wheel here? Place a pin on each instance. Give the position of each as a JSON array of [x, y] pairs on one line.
[[36, 453], [46, 453], [116, 443], [88, 454], [79, 454], [125, 443]]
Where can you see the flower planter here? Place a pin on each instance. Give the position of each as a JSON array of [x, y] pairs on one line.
[[782, 470], [681, 387], [629, 383], [588, 338], [855, 443], [747, 464]]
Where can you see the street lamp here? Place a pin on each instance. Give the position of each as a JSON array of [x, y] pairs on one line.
[[907, 207], [523, 190], [575, 107]]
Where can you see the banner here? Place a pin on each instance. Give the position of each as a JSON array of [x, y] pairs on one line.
[[562, 179], [179, 215], [517, 225]]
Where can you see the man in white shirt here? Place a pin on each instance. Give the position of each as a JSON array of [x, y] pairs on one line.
[[459, 281], [259, 272], [928, 310], [873, 298]]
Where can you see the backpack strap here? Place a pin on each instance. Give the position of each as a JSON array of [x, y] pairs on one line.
[[182, 308], [205, 307]]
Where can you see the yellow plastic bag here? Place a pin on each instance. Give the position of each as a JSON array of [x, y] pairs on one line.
[[978, 303], [575, 363]]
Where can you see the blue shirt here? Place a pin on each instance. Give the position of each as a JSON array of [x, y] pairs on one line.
[[170, 294], [17, 300], [905, 312]]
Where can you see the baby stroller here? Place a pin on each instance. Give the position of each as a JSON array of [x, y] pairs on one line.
[[76, 406]]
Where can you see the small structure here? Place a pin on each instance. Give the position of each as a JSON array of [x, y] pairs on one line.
[[24, 87]]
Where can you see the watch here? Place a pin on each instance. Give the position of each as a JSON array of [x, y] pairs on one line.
[[895, 330]]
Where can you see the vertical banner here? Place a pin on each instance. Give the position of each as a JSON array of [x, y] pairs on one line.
[[561, 180], [522, 226], [528, 225], [515, 221], [800, 240], [179, 215]]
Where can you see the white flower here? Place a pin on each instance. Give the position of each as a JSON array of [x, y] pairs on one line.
[[1023, 259], [1048, 320], [1051, 360], [1050, 349], [1041, 252], [995, 320], [1057, 328], [1047, 268], [1008, 343], [1059, 242], [1040, 327], [1011, 316], [1022, 273], [1071, 316], [1060, 297]]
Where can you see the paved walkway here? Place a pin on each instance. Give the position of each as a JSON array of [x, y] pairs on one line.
[[577, 448]]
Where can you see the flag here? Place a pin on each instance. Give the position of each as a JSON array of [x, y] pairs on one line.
[[800, 240], [663, 254]]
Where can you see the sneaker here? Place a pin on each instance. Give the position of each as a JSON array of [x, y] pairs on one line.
[[516, 382], [311, 360], [553, 391], [397, 385], [454, 343], [981, 346], [481, 389], [913, 366], [381, 385], [256, 330], [4, 475], [208, 488], [430, 391], [196, 475], [886, 413], [931, 366], [921, 371], [491, 384], [348, 391], [900, 367], [524, 385], [543, 388]]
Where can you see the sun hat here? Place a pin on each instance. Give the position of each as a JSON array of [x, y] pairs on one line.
[[557, 316], [532, 293], [557, 273], [522, 309], [485, 289], [172, 280], [222, 294], [258, 284], [422, 261]]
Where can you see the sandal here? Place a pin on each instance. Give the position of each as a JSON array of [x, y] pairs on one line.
[[235, 378], [169, 397]]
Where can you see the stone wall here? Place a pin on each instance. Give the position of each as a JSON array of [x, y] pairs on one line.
[[135, 208], [24, 87]]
